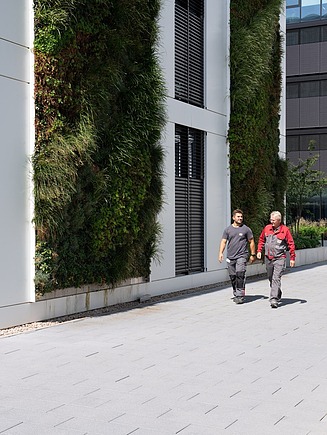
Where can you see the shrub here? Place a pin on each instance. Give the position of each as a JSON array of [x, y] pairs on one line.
[[304, 242], [310, 234]]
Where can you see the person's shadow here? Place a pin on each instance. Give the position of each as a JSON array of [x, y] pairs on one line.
[[284, 301], [253, 298], [288, 301]]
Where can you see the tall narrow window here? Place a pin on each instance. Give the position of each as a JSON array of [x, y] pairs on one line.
[[292, 37], [189, 40], [189, 200]]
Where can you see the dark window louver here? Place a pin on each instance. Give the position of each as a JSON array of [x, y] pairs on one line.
[[189, 201], [189, 63]]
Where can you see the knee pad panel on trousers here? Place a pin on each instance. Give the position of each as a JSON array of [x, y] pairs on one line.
[[233, 281], [240, 279]]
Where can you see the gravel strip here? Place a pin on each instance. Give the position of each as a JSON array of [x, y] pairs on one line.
[[29, 327]]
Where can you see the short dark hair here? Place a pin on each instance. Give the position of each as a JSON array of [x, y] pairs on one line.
[[237, 210]]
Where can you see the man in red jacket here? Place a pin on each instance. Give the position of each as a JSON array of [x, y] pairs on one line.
[[276, 238]]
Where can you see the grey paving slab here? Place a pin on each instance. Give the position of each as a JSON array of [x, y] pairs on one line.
[[190, 365]]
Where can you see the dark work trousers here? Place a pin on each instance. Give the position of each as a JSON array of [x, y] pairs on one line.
[[236, 270], [275, 269]]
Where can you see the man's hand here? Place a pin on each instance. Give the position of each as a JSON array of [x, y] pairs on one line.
[[220, 258], [292, 263], [259, 255], [252, 259]]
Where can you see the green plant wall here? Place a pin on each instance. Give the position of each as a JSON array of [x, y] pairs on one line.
[[98, 160], [258, 175]]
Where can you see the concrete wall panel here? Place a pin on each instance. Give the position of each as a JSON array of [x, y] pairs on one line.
[[309, 112], [309, 58], [293, 113], [293, 60], [17, 136]]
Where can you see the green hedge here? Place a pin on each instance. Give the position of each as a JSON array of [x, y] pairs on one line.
[[98, 160], [305, 242], [310, 234], [258, 175]]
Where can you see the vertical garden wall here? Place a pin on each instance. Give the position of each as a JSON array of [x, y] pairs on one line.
[[98, 161], [258, 175]]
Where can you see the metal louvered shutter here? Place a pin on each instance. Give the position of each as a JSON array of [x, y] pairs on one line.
[[189, 201], [189, 41]]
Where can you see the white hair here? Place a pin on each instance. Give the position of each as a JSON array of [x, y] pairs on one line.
[[276, 214]]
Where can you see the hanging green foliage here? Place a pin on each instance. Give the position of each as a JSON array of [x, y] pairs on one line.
[[258, 175], [99, 99]]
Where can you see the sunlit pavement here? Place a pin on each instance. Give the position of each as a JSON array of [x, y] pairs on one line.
[[191, 365]]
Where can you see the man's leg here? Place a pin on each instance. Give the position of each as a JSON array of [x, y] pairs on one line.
[[231, 266], [278, 269], [240, 277], [270, 270]]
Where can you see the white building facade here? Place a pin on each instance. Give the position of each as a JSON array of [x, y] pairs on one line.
[[193, 51], [17, 137]]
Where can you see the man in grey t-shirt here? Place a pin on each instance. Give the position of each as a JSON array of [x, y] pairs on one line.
[[236, 237]]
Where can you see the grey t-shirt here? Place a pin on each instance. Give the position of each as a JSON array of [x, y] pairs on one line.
[[237, 241]]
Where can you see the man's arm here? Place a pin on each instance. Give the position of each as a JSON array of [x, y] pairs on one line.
[[261, 244], [221, 250], [291, 247], [252, 250]]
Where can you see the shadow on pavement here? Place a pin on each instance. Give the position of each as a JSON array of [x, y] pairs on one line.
[[252, 298], [288, 301]]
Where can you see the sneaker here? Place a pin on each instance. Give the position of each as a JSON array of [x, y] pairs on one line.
[[274, 303], [239, 300]]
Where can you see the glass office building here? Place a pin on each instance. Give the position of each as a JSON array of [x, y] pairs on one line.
[[306, 88], [299, 11]]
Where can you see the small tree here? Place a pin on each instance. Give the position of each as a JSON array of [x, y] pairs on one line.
[[303, 183]]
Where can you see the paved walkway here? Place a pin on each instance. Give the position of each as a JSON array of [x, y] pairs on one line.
[[192, 365]]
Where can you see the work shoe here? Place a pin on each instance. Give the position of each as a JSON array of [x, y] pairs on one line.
[[238, 300], [274, 303]]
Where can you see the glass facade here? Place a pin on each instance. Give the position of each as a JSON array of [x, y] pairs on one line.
[[298, 11], [306, 90]]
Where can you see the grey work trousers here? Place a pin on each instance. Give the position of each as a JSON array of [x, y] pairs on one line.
[[236, 270], [275, 268]]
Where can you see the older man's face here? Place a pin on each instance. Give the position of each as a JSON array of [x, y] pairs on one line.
[[275, 221]]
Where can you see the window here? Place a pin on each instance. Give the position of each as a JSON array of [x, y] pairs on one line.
[[324, 33], [307, 3], [305, 10], [316, 88], [324, 10], [292, 37], [292, 143], [310, 10], [189, 200], [189, 52], [306, 35], [310, 35], [292, 15], [309, 89], [307, 140], [323, 88], [323, 141], [292, 90]]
